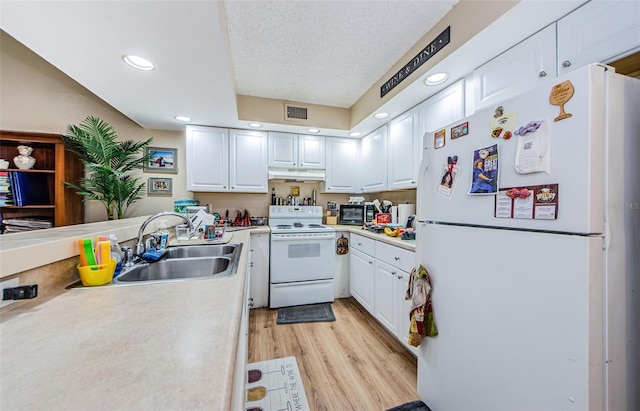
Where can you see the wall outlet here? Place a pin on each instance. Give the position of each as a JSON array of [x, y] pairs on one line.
[[8, 284]]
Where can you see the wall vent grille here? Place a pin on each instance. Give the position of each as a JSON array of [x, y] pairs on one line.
[[295, 113]]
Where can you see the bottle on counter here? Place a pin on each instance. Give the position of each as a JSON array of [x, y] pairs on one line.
[[163, 235], [273, 196], [116, 253]]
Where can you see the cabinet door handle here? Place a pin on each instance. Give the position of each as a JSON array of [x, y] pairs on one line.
[[397, 258], [542, 74], [393, 273], [370, 262], [566, 63], [400, 277], [413, 182], [360, 244]]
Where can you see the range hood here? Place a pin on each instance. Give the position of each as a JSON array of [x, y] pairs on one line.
[[296, 175]]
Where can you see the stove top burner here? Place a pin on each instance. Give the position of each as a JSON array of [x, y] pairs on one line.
[[316, 226], [284, 226], [297, 224]]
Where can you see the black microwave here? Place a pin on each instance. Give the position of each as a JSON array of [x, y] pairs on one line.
[[356, 214]]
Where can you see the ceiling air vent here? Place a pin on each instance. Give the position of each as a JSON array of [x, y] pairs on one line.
[[295, 113]]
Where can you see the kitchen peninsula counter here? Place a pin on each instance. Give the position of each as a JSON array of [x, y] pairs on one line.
[[154, 346]]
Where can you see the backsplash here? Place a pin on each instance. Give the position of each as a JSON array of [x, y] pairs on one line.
[[258, 204]]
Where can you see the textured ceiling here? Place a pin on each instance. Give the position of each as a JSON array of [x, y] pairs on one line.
[[322, 52]]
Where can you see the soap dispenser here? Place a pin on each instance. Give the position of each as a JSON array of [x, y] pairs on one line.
[[163, 235]]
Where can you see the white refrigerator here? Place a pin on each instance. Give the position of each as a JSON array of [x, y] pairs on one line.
[[535, 281]]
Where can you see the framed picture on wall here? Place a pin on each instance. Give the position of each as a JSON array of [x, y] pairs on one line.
[[160, 187], [163, 160]]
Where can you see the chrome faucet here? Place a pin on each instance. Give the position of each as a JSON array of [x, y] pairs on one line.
[[140, 247]]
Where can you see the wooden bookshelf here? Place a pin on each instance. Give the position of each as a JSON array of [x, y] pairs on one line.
[[58, 164]]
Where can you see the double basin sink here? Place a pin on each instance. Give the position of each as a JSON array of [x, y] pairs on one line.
[[186, 263]]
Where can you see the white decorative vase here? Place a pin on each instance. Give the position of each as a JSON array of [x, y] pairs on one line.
[[24, 161]]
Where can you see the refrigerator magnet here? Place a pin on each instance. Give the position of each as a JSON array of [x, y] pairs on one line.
[[533, 151], [439, 138], [531, 202], [503, 125], [484, 178], [460, 130], [560, 94], [448, 179]]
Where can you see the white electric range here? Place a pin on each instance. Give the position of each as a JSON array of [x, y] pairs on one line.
[[302, 261]]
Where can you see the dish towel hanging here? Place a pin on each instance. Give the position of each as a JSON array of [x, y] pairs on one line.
[[421, 312]]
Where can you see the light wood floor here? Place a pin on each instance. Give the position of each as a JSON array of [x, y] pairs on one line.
[[350, 364]]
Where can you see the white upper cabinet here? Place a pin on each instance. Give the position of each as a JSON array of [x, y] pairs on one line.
[[248, 170], [283, 150], [207, 157], [526, 65], [296, 151], [403, 158], [443, 108], [311, 152], [599, 31], [220, 160], [342, 166], [373, 157]]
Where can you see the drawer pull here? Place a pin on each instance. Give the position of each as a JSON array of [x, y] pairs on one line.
[[360, 244], [370, 262], [393, 272], [566, 63], [397, 258], [400, 277], [542, 74]]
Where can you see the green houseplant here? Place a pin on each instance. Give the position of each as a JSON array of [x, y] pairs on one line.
[[108, 165]]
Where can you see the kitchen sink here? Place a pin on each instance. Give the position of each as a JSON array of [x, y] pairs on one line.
[[181, 268], [186, 263], [201, 251]]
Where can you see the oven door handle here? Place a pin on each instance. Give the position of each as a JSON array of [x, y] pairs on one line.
[[304, 238]]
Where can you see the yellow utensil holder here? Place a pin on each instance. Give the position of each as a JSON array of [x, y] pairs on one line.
[[97, 274]]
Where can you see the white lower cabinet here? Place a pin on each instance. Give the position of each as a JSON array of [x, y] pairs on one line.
[[242, 353], [385, 304], [379, 276], [361, 278], [259, 266]]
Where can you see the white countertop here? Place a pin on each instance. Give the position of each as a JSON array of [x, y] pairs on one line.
[[139, 347], [144, 346], [397, 241]]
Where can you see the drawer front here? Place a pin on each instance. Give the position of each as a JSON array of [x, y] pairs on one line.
[[364, 244], [396, 256]]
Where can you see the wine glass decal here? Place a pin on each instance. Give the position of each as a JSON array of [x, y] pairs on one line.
[[560, 94]]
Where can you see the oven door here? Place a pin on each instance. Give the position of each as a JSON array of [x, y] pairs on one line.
[[302, 257]]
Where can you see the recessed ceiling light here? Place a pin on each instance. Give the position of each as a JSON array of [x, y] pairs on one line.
[[138, 63], [381, 115], [354, 134], [436, 78], [184, 119], [313, 130], [255, 125]]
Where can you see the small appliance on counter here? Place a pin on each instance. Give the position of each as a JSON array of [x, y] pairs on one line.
[[351, 214]]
